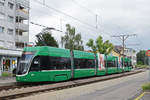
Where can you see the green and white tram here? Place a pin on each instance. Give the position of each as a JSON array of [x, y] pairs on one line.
[[41, 64]]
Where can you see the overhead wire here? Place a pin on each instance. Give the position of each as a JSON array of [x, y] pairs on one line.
[[90, 11], [91, 27], [74, 18]]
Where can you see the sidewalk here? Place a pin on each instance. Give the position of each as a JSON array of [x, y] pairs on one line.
[[7, 80], [143, 96]]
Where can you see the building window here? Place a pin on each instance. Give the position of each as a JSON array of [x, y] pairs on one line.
[[1, 3], [18, 32], [1, 29], [10, 31], [2, 16], [10, 5], [11, 19], [20, 45]]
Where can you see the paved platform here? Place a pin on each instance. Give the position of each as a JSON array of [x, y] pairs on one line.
[[7, 80]]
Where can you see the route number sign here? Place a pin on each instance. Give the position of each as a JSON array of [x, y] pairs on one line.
[[148, 53]]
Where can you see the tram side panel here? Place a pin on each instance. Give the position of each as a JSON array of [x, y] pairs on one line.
[[101, 70], [84, 64]]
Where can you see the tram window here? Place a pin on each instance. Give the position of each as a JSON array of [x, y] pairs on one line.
[[35, 64], [45, 65], [91, 63], [126, 64], [114, 64], [110, 64], [60, 63], [130, 64], [68, 63], [55, 63], [84, 63], [76, 63]]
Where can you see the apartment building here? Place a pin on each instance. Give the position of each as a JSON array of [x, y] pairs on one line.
[[131, 53], [14, 31], [128, 52]]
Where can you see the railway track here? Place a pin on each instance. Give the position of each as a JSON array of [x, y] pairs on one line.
[[20, 85], [22, 90]]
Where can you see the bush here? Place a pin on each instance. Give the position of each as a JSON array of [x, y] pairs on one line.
[[6, 74], [140, 63], [146, 87]]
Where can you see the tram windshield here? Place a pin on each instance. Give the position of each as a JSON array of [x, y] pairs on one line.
[[24, 62]]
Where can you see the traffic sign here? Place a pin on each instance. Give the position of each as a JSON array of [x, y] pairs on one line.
[[148, 53]]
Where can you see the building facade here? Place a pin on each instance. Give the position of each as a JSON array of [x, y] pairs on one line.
[[14, 31], [131, 53], [128, 52]]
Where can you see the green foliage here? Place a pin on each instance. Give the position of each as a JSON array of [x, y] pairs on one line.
[[140, 63], [45, 39], [6, 74], [146, 87], [100, 46], [92, 45], [71, 40], [142, 66], [142, 58], [3, 48]]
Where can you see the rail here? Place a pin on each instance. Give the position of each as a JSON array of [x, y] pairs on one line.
[[22, 90]]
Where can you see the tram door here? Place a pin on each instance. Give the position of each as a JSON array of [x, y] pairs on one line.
[[35, 69]]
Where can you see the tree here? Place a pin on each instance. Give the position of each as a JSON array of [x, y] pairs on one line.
[[100, 46], [45, 38], [72, 41], [142, 59], [91, 44]]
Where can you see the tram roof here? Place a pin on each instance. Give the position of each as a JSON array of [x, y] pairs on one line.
[[111, 58], [59, 52]]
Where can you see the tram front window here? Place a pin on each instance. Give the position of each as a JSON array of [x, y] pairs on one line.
[[24, 62]]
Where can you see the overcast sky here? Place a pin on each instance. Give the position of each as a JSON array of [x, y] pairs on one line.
[[114, 17]]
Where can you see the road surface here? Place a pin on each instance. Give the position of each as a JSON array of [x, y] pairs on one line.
[[115, 89]]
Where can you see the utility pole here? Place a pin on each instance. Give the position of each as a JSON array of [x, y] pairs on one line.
[[123, 39], [96, 21], [43, 2]]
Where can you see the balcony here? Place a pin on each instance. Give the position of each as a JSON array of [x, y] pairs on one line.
[[23, 14], [24, 3], [22, 27], [10, 52], [2, 9], [12, 1], [2, 22], [24, 39]]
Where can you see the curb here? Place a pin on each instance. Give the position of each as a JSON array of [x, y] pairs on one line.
[[139, 92]]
